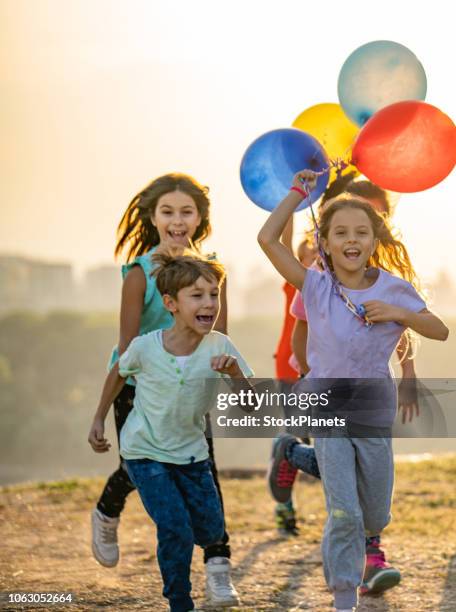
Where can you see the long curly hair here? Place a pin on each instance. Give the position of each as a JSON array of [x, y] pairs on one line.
[[136, 233]]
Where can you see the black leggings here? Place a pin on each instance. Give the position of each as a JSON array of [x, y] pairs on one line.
[[119, 485]]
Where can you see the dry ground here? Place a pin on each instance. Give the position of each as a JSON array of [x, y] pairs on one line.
[[45, 547]]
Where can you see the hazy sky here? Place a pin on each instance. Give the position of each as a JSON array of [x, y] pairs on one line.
[[99, 97]]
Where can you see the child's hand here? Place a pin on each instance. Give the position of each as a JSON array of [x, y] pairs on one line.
[[408, 399], [381, 312], [96, 437], [226, 364], [308, 176]]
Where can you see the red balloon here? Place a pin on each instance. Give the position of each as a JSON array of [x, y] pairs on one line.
[[406, 147]]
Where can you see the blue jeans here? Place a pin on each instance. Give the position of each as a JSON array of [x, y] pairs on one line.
[[185, 506]]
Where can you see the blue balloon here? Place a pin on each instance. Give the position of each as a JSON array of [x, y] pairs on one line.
[[272, 160], [376, 75]]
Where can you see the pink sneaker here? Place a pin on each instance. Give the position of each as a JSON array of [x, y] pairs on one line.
[[379, 576]]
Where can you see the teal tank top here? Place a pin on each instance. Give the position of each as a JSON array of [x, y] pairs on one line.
[[154, 315]]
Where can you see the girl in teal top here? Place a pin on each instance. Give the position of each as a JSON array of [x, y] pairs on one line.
[[153, 314], [173, 209]]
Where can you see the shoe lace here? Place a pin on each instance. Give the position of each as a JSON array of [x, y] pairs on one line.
[[286, 474], [222, 580], [108, 534], [377, 559]]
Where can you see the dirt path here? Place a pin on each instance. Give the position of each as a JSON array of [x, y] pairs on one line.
[[45, 547]]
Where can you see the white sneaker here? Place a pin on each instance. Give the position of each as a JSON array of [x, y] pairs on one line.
[[219, 588], [104, 539]]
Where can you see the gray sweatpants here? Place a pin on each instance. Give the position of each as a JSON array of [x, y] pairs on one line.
[[358, 477]]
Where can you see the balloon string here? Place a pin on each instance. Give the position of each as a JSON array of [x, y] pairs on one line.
[[358, 310]]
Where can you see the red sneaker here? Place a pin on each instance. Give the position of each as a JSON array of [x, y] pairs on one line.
[[281, 474]]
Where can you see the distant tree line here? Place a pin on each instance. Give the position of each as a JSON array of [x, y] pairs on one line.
[[51, 370]]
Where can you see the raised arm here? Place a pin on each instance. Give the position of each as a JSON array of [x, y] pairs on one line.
[[287, 234], [270, 234]]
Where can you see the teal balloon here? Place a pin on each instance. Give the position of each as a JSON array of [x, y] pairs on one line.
[[271, 161], [376, 75]]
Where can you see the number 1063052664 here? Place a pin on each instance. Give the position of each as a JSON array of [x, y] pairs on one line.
[[37, 598]]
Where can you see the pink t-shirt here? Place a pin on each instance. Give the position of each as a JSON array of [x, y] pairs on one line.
[[299, 312], [297, 308]]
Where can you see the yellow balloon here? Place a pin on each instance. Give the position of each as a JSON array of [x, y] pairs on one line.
[[331, 127]]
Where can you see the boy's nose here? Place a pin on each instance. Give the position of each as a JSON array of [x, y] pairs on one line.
[[209, 302]]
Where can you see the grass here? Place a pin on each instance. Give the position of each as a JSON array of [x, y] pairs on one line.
[[46, 535]]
